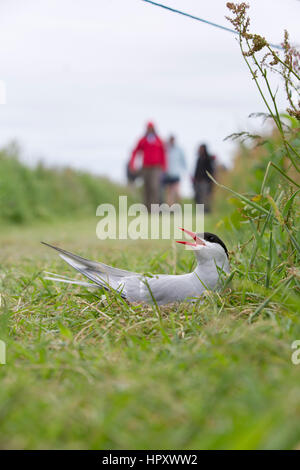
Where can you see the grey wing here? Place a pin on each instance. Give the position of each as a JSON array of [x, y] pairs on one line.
[[162, 288], [99, 273], [101, 267], [134, 287]]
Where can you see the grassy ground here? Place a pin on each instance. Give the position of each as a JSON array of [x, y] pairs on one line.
[[89, 373]]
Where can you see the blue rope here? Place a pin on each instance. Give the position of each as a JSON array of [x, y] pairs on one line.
[[200, 19]]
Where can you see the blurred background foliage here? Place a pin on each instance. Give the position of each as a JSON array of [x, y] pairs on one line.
[[29, 194]]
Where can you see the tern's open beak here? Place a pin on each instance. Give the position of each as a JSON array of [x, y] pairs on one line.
[[197, 240]]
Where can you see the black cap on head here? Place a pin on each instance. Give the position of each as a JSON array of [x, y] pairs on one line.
[[211, 237]]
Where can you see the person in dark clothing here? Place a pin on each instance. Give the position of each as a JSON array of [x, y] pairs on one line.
[[132, 176], [202, 182]]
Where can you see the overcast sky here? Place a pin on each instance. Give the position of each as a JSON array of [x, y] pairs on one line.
[[83, 76]]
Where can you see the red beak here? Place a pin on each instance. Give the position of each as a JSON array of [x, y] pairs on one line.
[[197, 240]]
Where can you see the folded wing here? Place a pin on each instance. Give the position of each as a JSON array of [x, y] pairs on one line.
[[99, 273]]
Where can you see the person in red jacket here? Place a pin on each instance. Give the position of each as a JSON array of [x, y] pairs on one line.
[[152, 149]]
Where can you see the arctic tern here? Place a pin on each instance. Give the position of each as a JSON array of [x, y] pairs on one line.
[[211, 256]]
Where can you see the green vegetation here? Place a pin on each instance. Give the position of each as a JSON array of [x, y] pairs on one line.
[[87, 370], [32, 194]]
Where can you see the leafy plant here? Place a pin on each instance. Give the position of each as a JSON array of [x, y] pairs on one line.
[[272, 210]]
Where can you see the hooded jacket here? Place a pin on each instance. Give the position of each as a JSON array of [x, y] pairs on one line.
[[153, 152]]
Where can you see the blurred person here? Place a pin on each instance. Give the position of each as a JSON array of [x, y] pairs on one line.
[[176, 165], [132, 176], [151, 147], [202, 182]]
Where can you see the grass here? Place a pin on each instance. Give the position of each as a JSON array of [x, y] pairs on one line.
[[91, 372], [86, 370], [30, 194]]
